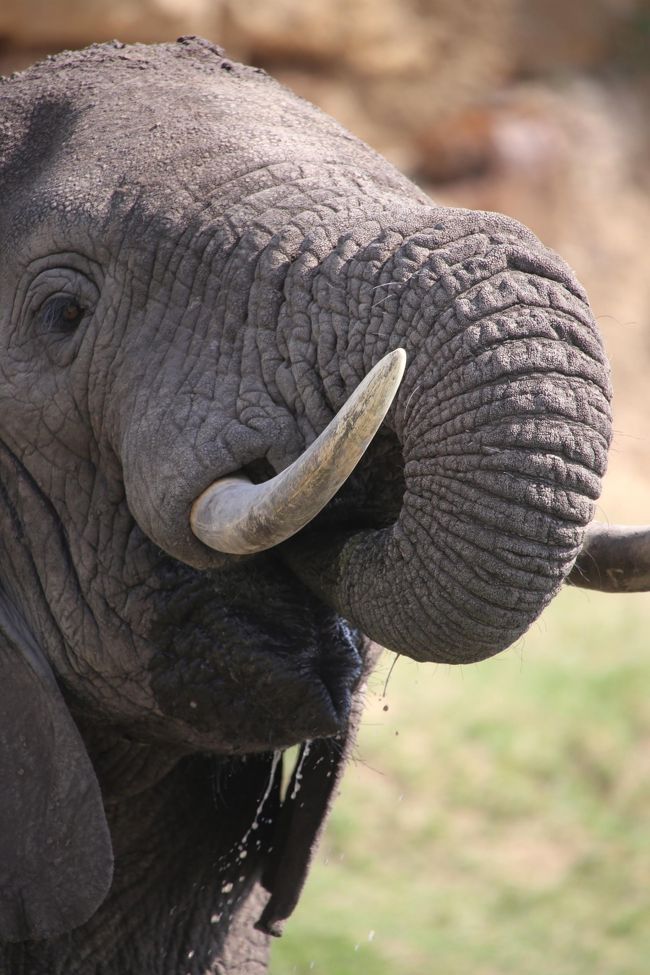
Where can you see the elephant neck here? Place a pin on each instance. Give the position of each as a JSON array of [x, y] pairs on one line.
[[184, 885]]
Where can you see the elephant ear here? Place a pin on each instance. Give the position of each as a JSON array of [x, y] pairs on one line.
[[56, 860]]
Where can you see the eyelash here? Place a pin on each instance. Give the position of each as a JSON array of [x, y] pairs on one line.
[[57, 314]]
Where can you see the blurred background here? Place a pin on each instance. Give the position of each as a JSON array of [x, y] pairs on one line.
[[496, 818]]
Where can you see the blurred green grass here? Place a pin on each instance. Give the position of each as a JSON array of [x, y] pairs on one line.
[[495, 820]]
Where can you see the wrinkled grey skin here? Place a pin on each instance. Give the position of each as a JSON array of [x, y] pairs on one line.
[[197, 270]]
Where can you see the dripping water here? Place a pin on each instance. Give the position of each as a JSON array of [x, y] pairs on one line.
[[297, 778]]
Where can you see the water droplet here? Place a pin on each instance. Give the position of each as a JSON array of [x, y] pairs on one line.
[[226, 888], [258, 818], [297, 777]]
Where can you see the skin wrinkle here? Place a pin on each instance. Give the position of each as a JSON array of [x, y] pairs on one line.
[[481, 590], [482, 337], [456, 510], [554, 456], [464, 398], [543, 296], [469, 417], [41, 603], [300, 379], [521, 577], [458, 486], [466, 416], [88, 624], [451, 434], [446, 606], [489, 421], [467, 497], [54, 525], [579, 477], [354, 313], [513, 568], [449, 613], [503, 341], [328, 356]]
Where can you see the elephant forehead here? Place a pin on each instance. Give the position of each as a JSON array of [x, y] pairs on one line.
[[152, 117]]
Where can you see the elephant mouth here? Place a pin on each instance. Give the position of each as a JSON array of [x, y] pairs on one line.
[[248, 660]]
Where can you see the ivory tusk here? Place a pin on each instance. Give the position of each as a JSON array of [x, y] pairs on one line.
[[234, 515], [613, 558]]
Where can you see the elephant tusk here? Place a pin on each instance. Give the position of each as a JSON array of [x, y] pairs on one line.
[[234, 515], [613, 558]]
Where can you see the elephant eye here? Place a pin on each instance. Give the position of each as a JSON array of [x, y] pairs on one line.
[[61, 313]]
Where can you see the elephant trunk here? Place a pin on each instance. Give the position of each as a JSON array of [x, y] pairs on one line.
[[504, 425], [502, 421]]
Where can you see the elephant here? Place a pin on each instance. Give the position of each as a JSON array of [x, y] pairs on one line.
[[264, 406]]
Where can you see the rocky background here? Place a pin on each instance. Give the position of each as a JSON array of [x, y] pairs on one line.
[[537, 108]]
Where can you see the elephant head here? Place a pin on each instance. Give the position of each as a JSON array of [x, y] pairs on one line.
[[199, 270]]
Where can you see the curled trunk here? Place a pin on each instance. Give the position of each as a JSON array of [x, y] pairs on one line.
[[501, 424], [504, 426]]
